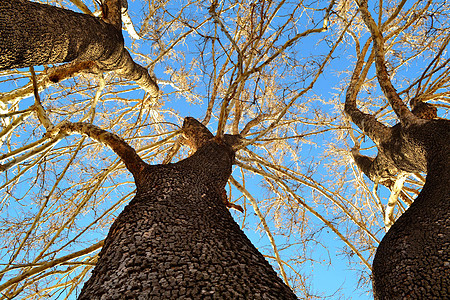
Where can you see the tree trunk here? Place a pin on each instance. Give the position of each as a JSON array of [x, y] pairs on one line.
[[36, 34], [176, 239], [413, 259]]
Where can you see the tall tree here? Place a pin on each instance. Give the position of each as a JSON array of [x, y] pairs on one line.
[[274, 72], [176, 238], [412, 259]]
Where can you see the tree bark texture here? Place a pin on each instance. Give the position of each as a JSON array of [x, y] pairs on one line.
[[35, 34], [413, 259], [177, 240]]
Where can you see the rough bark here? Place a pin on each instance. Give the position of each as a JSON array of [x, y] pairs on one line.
[[176, 239], [413, 259], [36, 34]]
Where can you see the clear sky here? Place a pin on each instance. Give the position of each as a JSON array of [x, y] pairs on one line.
[[330, 275]]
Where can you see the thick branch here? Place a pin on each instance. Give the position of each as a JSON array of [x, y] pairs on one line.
[[128, 155], [112, 10], [375, 130], [37, 34], [196, 135], [379, 169], [402, 111]]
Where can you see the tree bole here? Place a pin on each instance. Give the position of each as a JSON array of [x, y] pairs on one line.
[[35, 34], [413, 259], [176, 239]]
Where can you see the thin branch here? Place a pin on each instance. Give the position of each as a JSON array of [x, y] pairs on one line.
[[40, 111], [51, 264]]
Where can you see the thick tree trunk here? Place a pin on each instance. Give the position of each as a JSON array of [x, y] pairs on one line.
[[413, 259], [36, 34], [176, 239]]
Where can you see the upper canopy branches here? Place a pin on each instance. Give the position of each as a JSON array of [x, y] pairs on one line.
[[403, 113]]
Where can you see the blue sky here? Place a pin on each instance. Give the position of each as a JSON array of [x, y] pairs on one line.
[[330, 275]]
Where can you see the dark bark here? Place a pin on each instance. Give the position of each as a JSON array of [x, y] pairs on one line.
[[413, 259], [176, 239], [35, 34]]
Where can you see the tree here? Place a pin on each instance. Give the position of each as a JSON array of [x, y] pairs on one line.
[[412, 259], [176, 238], [276, 73]]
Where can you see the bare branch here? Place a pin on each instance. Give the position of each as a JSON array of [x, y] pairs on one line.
[[403, 113]]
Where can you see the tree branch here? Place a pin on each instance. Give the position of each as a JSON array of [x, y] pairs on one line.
[[132, 160], [400, 109], [60, 35], [375, 130], [50, 264]]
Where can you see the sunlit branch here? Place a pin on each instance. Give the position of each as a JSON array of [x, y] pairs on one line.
[[40, 111], [176, 42], [50, 264], [309, 182], [87, 227], [129, 156], [284, 110], [93, 189], [127, 23], [91, 114], [244, 75], [43, 205], [213, 13], [393, 198], [32, 153], [366, 122], [310, 209], [404, 114], [47, 78]]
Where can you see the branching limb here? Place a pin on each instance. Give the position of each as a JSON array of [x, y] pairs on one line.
[[401, 110], [123, 65], [132, 160], [98, 41], [375, 130], [40, 111]]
